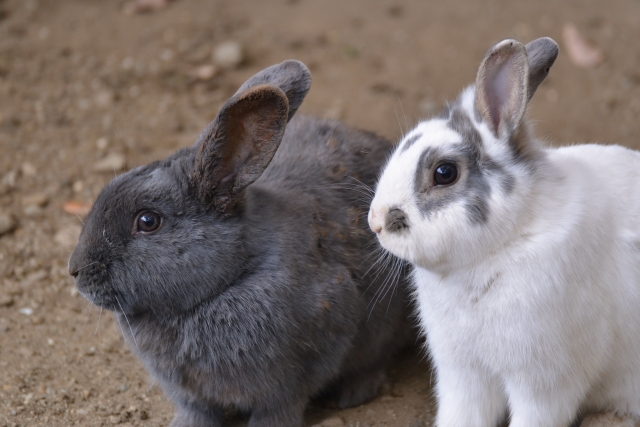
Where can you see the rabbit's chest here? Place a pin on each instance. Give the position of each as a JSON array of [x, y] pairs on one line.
[[479, 327]]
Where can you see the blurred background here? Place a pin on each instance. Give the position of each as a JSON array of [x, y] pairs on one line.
[[89, 88]]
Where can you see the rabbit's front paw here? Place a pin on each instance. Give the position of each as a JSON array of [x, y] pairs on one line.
[[193, 415], [281, 414], [356, 390]]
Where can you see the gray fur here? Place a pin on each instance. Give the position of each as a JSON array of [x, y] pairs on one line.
[[292, 77], [409, 142], [259, 307], [396, 220], [469, 155]]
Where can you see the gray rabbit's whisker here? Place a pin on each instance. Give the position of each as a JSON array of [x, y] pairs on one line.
[[128, 323], [88, 316], [97, 326], [120, 326], [88, 265], [81, 221]]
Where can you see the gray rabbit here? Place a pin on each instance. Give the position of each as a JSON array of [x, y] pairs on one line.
[[237, 270]]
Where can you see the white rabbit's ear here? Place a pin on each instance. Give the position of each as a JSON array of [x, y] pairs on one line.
[[542, 53], [502, 87]]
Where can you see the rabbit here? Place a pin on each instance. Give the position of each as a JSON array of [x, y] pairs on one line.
[[526, 259], [235, 266]]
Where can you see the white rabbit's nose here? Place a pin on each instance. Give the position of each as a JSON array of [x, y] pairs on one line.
[[376, 219]]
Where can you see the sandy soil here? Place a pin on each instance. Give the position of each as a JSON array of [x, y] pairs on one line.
[[83, 82]]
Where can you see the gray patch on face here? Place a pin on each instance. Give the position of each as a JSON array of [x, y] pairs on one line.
[[396, 220], [428, 203], [462, 124], [475, 191], [409, 142]]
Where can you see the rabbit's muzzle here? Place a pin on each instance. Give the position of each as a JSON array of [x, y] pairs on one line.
[[92, 281]]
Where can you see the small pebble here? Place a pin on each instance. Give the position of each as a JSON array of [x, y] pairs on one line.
[[33, 211], [36, 199], [113, 162], [228, 54], [205, 72], [77, 186], [6, 301], [144, 6], [28, 169], [91, 351], [102, 143], [26, 311], [7, 223], [332, 422]]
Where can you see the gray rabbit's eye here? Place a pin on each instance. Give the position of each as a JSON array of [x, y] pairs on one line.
[[445, 174], [147, 222]]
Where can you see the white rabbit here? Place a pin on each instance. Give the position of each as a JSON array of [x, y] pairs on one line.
[[527, 259]]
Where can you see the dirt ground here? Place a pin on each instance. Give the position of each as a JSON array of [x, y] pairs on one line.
[[87, 87]]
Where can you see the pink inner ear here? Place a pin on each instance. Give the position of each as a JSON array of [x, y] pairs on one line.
[[498, 91]]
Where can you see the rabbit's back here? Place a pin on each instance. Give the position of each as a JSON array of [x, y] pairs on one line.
[[328, 170], [614, 172]]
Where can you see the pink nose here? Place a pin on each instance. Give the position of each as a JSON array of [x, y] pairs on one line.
[[376, 221]]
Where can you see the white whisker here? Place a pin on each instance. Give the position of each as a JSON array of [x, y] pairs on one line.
[[127, 319]]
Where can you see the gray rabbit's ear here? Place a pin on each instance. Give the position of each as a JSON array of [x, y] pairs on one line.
[[502, 87], [292, 77], [239, 144], [542, 53]]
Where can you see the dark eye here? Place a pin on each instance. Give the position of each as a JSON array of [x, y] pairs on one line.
[[445, 174], [147, 222]]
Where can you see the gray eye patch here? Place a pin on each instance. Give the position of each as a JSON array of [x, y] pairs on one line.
[[473, 187]]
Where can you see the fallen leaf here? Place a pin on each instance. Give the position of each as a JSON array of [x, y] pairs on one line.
[[74, 207], [581, 53]]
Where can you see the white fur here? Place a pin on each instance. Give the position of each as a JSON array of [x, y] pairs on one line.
[[535, 312]]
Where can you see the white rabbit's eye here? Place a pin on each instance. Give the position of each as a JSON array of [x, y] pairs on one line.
[[147, 222], [445, 174]]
